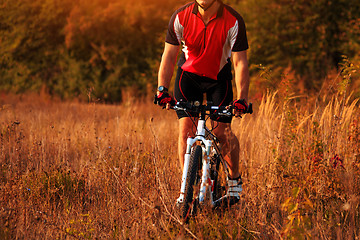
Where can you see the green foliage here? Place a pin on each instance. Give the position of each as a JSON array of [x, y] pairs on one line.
[[31, 40], [73, 46], [309, 36], [104, 46], [350, 71], [81, 228], [58, 186]]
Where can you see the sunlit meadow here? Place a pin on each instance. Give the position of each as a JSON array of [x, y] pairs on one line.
[[72, 170]]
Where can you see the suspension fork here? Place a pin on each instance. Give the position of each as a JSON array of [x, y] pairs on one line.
[[206, 182], [189, 144], [200, 136]]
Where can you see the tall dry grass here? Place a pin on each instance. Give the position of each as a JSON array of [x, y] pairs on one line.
[[90, 171]]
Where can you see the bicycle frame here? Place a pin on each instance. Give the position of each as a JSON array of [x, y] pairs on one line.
[[214, 169]]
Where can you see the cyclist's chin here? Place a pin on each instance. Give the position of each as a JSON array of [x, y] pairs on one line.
[[204, 3]]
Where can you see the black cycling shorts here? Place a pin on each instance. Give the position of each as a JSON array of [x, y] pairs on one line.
[[190, 87]]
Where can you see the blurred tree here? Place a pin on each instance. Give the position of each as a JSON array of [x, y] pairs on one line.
[[72, 46], [118, 39], [31, 39], [309, 36]]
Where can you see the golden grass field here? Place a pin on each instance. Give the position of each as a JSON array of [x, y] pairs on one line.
[[72, 170]]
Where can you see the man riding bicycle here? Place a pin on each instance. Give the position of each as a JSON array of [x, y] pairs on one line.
[[210, 32]]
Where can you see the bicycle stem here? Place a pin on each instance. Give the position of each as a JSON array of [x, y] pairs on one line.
[[200, 128]]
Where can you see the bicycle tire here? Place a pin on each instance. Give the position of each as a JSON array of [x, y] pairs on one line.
[[219, 175], [192, 180]]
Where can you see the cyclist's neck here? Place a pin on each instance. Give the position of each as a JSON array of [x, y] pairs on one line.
[[210, 12]]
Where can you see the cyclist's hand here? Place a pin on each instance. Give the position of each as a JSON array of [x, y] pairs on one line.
[[240, 107], [164, 100]]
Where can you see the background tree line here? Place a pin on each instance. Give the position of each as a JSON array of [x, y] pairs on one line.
[[71, 47]]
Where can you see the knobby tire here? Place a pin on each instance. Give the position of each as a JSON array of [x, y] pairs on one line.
[[220, 181], [193, 179]]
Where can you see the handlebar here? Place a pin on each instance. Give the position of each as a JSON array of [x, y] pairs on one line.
[[196, 107]]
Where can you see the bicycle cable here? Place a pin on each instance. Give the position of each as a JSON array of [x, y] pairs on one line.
[[193, 121]]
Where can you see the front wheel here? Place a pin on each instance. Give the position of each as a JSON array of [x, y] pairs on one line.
[[192, 183]]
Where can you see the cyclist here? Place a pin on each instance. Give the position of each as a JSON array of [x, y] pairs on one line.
[[210, 32]]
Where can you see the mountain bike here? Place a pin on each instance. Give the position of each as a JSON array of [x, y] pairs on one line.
[[205, 172]]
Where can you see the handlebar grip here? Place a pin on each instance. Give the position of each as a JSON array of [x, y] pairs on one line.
[[172, 103]]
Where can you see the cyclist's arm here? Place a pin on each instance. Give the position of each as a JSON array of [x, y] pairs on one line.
[[168, 61], [242, 79]]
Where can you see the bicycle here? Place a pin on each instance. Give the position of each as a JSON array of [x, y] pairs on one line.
[[205, 172]]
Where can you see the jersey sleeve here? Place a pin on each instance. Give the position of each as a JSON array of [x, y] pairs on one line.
[[239, 36], [172, 35]]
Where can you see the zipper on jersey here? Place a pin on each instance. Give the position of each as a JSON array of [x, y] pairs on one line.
[[205, 30], [204, 38]]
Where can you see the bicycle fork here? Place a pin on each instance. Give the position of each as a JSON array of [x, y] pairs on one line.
[[180, 200], [206, 182]]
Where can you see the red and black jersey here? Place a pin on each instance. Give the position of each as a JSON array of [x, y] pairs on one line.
[[206, 48]]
